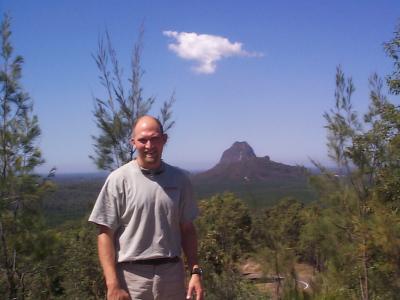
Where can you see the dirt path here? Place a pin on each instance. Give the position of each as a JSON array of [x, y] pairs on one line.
[[267, 282]]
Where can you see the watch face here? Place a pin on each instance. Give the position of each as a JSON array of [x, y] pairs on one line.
[[197, 271]]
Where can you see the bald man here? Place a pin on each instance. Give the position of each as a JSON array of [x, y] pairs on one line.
[[145, 213]]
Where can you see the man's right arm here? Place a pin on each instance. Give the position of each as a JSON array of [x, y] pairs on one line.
[[106, 248]]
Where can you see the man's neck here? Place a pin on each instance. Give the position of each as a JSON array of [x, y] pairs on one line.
[[149, 167]]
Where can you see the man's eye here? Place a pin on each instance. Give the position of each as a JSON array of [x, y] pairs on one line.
[[154, 139]]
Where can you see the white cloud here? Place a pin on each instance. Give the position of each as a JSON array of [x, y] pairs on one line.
[[205, 49]]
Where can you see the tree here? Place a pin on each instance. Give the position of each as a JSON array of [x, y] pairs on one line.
[[224, 230], [224, 237], [22, 259], [315, 244], [276, 233], [356, 199], [121, 106]]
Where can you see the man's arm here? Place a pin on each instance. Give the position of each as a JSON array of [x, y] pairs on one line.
[[105, 244], [189, 246]]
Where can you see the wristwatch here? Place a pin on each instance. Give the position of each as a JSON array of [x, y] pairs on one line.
[[197, 271]]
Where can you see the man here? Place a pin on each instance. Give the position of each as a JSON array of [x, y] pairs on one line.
[[144, 213]]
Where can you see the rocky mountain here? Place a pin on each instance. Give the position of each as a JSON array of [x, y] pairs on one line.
[[258, 180], [240, 164]]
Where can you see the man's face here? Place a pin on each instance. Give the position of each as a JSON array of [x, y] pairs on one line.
[[149, 143]]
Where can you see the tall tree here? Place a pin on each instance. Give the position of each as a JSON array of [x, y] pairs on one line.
[[21, 255], [349, 203], [365, 190], [121, 106]]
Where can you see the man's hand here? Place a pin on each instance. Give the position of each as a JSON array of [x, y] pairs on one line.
[[195, 287], [117, 293], [189, 245]]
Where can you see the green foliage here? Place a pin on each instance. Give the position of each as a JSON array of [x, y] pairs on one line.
[[315, 245], [354, 200], [230, 285], [224, 228], [259, 195], [121, 107], [26, 249], [283, 222], [392, 49], [275, 236], [385, 236], [82, 276], [224, 237], [71, 201]]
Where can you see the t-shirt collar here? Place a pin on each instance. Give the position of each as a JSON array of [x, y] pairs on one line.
[[152, 172]]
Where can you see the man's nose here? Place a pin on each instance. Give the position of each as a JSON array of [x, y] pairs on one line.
[[148, 143]]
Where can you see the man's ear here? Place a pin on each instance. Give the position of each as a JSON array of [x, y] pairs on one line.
[[165, 138], [132, 142]]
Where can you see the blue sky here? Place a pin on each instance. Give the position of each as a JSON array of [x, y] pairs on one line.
[[270, 87]]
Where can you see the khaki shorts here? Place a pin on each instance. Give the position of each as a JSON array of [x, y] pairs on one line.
[[153, 282]]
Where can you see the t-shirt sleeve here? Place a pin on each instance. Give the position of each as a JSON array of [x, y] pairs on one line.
[[189, 209], [106, 211]]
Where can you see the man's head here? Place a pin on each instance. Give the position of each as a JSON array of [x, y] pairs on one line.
[[149, 139]]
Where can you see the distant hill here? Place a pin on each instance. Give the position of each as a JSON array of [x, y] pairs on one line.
[[259, 180]]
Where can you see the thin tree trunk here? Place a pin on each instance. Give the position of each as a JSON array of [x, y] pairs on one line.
[[278, 285], [10, 273], [22, 284], [365, 269], [361, 287]]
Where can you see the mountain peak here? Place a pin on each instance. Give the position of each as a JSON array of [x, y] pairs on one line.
[[239, 151]]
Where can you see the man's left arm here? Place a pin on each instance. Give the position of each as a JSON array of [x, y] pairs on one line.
[[189, 246]]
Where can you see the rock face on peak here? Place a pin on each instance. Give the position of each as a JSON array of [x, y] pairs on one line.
[[239, 151]]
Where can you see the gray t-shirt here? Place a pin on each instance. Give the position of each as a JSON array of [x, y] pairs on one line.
[[145, 211]]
